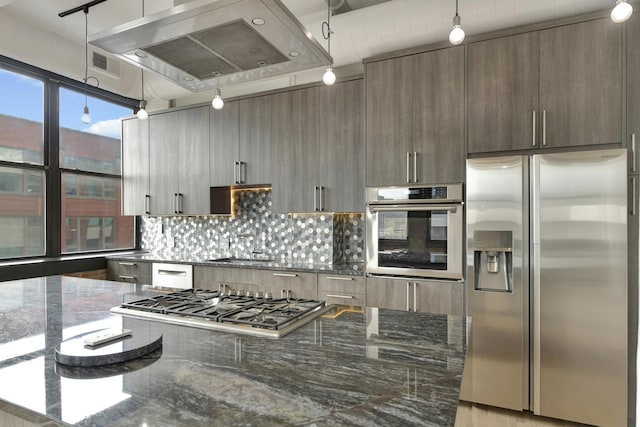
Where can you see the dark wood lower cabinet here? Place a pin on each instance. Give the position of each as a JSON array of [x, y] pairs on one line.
[[427, 296]]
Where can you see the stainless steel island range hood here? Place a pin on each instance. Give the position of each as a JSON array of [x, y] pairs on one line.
[[204, 44]]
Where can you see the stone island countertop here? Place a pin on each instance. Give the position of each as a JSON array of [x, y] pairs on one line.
[[374, 367]]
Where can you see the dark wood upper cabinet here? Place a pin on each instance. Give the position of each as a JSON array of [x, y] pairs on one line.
[[581, 84], [558, 87], [179, 162], [502, 94], [415, 119], [389, 118], [135, 167], [317, 149]]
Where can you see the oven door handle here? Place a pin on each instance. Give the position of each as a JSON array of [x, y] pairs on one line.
[[398, 208]]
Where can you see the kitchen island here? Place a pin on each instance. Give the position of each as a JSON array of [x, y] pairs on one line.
[[348, 367]]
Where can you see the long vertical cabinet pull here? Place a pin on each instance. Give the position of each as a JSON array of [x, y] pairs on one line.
[[544, 128], [632, 199], [180, 203], [408, 286], [415, 166], [320, 198], [147, 204], [175, 202], [415, 297], [533, 128], [315, 198], [242, 172], [408, 167], [634, 161], [236, 172]]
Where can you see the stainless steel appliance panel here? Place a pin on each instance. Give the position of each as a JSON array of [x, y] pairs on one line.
[[415, 231], [580, 290], [496, 367]]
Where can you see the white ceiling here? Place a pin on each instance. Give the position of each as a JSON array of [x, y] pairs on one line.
[[356, 35]]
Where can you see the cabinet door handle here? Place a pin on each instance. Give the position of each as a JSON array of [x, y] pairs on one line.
[[321, 201], [544, 127], [243, 172], [408, 284], [128, 264], [236, 173], [408, 167], [632, 199], [147, 204], [415, 297], [415, 166], [533, 128], [172, 273], [315, 198], [285, 275], [348, 279], [127, 277], [340, 296], [633, 153], [175, 202], [180, 203]]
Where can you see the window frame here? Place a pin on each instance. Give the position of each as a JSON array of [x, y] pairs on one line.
[[52, 83]]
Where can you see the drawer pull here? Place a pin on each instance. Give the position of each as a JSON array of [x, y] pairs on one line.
[[128, 264], [172, 273], [346, 279], [127, 277], [340, 296], [285, 275]]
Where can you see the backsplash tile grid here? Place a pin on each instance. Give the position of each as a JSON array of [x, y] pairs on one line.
[[256, 230]]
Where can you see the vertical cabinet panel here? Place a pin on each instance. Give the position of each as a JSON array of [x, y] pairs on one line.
[[341, 171], [193, 186], [581, 83], [502, 94], [388, 293], [255, 140], [135, 166], [163, 163], [389, 89], [223, 140], [438, 116], [299, 126]]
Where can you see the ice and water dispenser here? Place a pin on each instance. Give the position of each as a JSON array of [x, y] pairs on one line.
[[493, 260]]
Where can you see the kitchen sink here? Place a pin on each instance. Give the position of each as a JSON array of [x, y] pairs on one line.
[[240, 260]]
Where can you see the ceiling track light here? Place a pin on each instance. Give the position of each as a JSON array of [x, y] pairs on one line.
[[621, 12], [329, 77], [456, 36], [217, 102], [142, 112]]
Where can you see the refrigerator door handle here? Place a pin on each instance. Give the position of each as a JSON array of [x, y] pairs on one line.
[[535, 281]]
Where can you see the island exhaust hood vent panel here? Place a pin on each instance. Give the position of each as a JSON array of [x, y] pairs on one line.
[[204, 44]]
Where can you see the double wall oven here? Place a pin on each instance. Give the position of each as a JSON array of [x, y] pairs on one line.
[[415, 231]]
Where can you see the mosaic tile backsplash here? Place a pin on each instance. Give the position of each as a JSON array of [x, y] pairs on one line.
[[256, 231]]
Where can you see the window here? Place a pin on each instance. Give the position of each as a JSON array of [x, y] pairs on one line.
[[21, 188], [86, 217], [91, 193]]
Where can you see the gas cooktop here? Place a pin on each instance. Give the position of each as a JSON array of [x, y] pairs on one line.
[[209, 309]]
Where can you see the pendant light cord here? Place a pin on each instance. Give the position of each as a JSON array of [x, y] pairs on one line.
[[86, 52], [142, 69], [456, 7], [327, 25]]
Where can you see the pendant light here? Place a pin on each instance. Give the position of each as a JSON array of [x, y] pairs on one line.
[[621, 12], [142, 112], [456, 36], [86, 118], [217, 102], [329, 77]]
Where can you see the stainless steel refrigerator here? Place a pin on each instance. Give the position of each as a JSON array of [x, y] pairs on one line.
[[547, 285]]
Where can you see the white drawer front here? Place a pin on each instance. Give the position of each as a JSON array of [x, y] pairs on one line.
[[173, 275]]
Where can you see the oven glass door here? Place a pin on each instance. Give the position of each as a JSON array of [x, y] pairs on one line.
[[418, 240]]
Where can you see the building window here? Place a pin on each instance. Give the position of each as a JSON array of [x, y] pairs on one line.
[[88, 166]]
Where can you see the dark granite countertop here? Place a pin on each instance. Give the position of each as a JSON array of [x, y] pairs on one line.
[[377, 367], [352, 269]]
